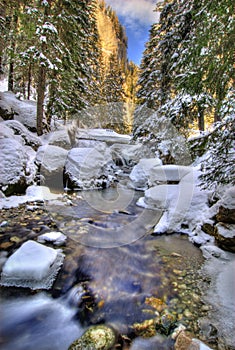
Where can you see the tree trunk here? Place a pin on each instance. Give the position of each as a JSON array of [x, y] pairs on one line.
[[201, 121], [1, 67], [29, 81], [40, 100], [11, 77]]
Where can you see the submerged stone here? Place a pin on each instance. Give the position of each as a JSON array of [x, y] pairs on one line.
[[99, 337]]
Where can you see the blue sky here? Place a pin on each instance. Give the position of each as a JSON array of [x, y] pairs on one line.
[[137, 16]]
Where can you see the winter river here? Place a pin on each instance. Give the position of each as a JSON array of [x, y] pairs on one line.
[[115, 272]]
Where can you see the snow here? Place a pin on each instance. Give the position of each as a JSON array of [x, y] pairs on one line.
[[185, 205], [5, 131], [106, 135], [129, 154], [51, 158], [87, 167], [29, 138], [220, 268], [24, 111], [225, 230], [3, 85], [140, 173], [59, 138], [13, 161], [166, 173], [32, 265], [33, 193], [57, 238], [210, 251]]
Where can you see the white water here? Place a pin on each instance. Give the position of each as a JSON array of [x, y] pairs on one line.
[[38, 323]]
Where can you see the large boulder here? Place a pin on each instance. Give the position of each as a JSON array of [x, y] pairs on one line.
[[6, 112], [140, 173], [106, 135], [51, 161], [225, 236], [59, 138], [226, 207], [88, 168], [30, 139], [17, 170], [129, 154], [23, 111], [168, 174]]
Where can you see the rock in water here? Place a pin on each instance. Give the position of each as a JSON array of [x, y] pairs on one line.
[[32, 265], [225, 236], [87, 168], [96, 338], [15, 174]]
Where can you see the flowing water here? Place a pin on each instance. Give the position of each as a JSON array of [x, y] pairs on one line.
[[115, 272]]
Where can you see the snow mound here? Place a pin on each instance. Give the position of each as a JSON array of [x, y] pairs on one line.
[[57, 238], [29, 138], [168, 173], [140, 173], [33, 194], [32, 266], [5, 131], [185, 205], [106, 135], [23, 111]]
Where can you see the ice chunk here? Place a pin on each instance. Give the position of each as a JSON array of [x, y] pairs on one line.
[[32, 265]]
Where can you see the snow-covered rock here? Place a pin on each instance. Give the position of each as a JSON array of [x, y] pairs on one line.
[[23, 111], [29, 138], [129, 154], [109, 136], [51, 161], [140, 173], [33, 194], [167, 173], [5, 131], [88, 168], [90, 144], [185, 205], [225, 236], [55, 237], [17, 170], [59, 138], [32, 265], [160, 197], [6, 112], [40, 193]]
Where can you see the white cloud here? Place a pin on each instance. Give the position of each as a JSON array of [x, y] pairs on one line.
[[135, 12]]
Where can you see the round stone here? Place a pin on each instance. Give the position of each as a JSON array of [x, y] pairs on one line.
[[96, 337]]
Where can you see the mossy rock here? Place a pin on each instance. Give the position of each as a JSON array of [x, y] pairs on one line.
[[166, 323], [95, 338]]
